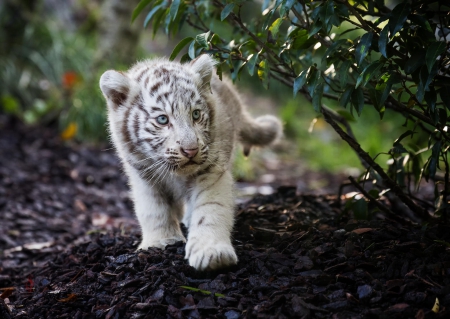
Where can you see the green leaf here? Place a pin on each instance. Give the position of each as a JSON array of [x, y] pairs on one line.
[[226, 11], [141, 5], [393, 78], [152, 13], [430, 98], [434, 159], [433, 51], [286, 7], [174, 9], [333, 48], [368, 73], [360, 209], [301, 40], [398, 17], [444, 93], [202, 39], [300, 81], [251, 62], [205, 292], [191, 50], [329, 11], [417, 59], [346, 96], [317, 98], [344, 71], [313, 78], [263, 73], [314, 28], [363, 47], [358, 100], [276, 26], [179, 47], [383, 41], [401, 137]]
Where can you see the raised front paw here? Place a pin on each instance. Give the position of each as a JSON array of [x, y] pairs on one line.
[[160, 243], [209, 255]]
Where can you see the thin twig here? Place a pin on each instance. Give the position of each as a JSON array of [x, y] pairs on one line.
[[419, 211]]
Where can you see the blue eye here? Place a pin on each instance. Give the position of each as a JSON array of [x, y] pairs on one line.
[[162, 119], [196, 115]]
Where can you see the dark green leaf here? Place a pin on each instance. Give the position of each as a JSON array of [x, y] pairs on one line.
[[191, 50], [398, 148], [202, 39], [179, 47], [423, 76], [444, 93], [383, 41], [313, 78], [434, 159], [226, 11], [251, 62], [333, 48], [329, 12], [368, 73], [237, 65], [417, 59], [360, 209], [286, 7], [174, 9], [363, 47], [430, 98], [346, 96], [433, 51], [393, 78], [406, 134], [300, 81], [314, 28], [159, 16], [152, 13], [344, 71], [358, 100], [301, 40], [317, 98], [398, 17], [141, 5]]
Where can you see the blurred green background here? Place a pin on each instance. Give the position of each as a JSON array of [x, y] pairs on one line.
[[53, 53]]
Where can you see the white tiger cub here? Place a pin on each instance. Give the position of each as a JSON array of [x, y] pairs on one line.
[[174, 127]]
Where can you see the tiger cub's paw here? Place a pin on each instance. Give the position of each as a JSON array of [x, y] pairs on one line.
[[210, 255]]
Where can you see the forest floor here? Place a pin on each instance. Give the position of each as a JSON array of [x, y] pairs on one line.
[[68, 240]]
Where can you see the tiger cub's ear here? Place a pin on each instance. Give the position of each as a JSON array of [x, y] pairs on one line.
[[115, 87], [203, 67]]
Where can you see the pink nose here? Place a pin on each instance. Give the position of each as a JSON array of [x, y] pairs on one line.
[[189, 153]]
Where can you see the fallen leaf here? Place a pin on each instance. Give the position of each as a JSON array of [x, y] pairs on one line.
[[360, 231]]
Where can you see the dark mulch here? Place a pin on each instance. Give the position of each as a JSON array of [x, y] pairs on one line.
[[68, 239]]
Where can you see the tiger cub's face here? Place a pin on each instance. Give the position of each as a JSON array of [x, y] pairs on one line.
[[160, 114]]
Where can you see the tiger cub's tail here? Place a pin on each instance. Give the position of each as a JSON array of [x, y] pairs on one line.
[[260, 131]]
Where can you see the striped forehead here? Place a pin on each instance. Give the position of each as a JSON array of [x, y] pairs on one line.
[[169, 84]]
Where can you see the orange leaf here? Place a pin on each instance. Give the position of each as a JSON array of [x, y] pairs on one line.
[[360, 231], [69, 132], [70, 297]]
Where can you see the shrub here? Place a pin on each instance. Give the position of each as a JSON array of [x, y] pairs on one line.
[[372, 55]]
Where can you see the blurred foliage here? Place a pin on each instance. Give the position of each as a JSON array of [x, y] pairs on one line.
[[373, 58], [46, 70]]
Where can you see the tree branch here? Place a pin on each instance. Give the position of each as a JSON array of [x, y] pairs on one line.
[[419, 211]]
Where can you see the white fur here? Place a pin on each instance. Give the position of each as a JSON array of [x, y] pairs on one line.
[[201, 194]]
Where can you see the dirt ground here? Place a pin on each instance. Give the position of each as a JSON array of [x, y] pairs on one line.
[[68, 240]]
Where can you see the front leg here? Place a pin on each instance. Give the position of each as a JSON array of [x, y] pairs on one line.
[[157, 211], [211, 221]]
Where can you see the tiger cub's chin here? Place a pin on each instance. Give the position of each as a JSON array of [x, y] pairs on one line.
[[175, 127]]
